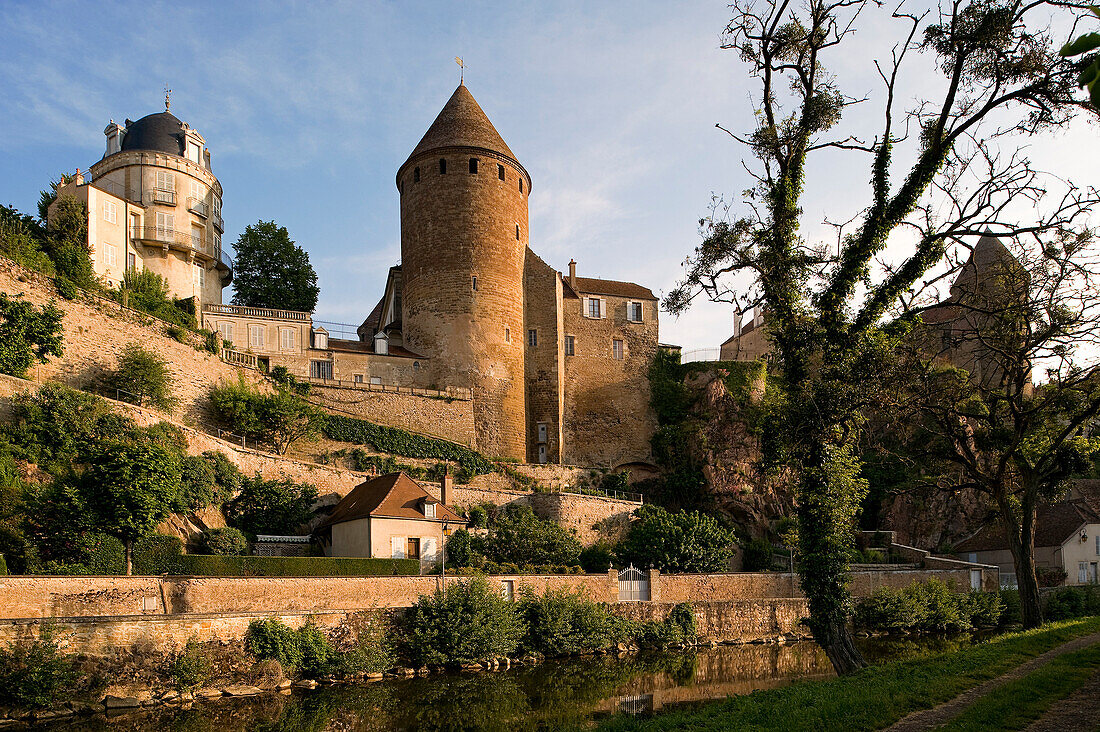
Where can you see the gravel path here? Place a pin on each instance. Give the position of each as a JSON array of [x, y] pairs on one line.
[[931, 718], [1078, 711]]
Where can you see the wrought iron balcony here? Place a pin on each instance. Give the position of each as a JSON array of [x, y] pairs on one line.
[[183, 240], [198, 207], [160, 195]]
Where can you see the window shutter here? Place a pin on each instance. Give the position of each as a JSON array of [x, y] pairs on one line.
[[397, 545], [603, 308]]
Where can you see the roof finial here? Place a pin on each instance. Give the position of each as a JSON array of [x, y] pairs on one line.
[[167, 98], [462, 70]]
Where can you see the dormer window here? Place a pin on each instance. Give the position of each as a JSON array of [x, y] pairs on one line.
[[320, 338], [429, 510], [194, 152]]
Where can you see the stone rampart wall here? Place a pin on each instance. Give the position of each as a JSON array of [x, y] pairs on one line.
[[448, 417]]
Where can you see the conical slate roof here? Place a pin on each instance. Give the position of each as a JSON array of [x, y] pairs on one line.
[[462, 123], [988, 258]]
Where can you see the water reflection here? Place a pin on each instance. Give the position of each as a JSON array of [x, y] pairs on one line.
[[555, 695]]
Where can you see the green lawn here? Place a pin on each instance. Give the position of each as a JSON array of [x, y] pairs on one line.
[[873, 698], [1019, 703]]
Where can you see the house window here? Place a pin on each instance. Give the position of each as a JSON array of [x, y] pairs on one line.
[[617, 349], [320, 340], [595, 307], [429, 510], [416, 174], [413, 548], [473, 282], [320, 370], [358, 379], [634, 312], [569, 345], [110, 255], [508, 590], [197, 191], [473, 166], [110, 212], [217, 206], [376, 380], [443, 166], [500, 172], [1098, 545], [532, 338], [166, 180], [286, 339], [194, 152], [226, 329], [397, 547], [1082, 572], [166, 224], [131, 260], [198, 274], [542, 432], [255, 336]]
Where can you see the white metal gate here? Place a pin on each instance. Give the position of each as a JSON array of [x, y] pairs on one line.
[[633, 585]]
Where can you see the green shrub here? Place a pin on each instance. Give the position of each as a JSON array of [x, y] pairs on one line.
[[1050, 576], [66, 288], [280, 418], [406, 444], [465, 550], [597, 558], [930, 606], [35, 674], [224, 542], [156, 554], [209, 479], [176, 333], [372, 653], [211, 341], [470, 623], [190, 668], [317, 653], [1012, 614], [60, 424], [271, 506], [1073, 602], [685, 541], [520, 537], [274, 639], [27, 334], [477, 516], [678, 627], [146, 375], [3, 566], [202, 565], [756, 556], [562, 623]]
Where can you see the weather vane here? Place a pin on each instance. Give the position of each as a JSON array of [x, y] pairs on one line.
[[462, 67], [167, 100]]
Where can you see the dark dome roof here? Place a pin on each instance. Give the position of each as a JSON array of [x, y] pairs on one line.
[[161, 132]]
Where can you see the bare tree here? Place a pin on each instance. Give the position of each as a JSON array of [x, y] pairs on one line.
[[1013, 318], [826, 303]]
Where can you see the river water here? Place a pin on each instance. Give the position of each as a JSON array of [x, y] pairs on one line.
[[555, 695]]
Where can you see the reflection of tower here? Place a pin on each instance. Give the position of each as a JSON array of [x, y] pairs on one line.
[[463, 243]]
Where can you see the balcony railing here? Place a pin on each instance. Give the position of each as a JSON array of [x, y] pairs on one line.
[[200, 208], [160, 195], [218, 222], [247, 312], [184, 240]]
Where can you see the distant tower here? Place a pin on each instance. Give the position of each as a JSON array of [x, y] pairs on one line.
[[463, 243]]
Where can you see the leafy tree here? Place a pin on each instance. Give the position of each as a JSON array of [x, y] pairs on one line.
[[279, 418], [470, 622], [981, 419], [1090, 64], [518, 536], [27, 333], [21, 240], [145, 374], [57, 424], [130, 489], [271, 506], [205, 480], [272, 271], [226, 542], [828, 302], [67, 242], [685, 541]]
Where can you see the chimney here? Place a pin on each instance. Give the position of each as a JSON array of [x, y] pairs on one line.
[[445, 485], [736, 324], [757, 316], [78, 178], [573, 274]]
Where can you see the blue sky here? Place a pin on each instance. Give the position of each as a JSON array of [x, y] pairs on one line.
[[310, 107]]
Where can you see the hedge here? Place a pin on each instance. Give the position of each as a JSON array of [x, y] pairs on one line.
[[399, 442], [3, 566], [220, 566]]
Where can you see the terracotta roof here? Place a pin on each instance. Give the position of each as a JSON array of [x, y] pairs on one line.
[[1054, 523], [614, 288], [392, 496], [1087, 490], [462, 123]]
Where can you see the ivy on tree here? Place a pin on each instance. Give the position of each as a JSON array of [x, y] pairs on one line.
[[272, 271]]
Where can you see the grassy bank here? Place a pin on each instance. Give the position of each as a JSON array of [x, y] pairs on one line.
[[873, 698]]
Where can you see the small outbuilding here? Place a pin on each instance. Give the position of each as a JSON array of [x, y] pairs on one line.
[[391, 516]]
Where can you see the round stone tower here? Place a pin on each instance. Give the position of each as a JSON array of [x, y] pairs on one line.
[[463, 244]]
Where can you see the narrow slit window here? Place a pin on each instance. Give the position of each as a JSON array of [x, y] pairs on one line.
[[532, 338], [473, 282], [443, 166], [473, 166], [517, 232], [617, 349], [500, 172], [569, 346], [507, 335], [416, 174], [521, 185]]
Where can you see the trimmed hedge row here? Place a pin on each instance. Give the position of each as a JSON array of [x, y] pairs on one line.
[[399, 442], [215, 566]]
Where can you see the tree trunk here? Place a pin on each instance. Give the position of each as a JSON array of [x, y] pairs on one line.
[[840, 647], [129, 557], [1021, 542]]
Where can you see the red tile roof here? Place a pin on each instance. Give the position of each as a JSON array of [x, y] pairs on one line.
[[391, 496], [1054, 523], [614, 288]]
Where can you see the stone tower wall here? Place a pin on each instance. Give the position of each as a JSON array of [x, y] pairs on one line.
[[456, 226], [544, 361]]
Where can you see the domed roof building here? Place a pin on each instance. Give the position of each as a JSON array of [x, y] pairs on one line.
[[154, 203]]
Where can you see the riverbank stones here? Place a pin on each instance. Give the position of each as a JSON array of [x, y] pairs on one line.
[[121, 702]]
